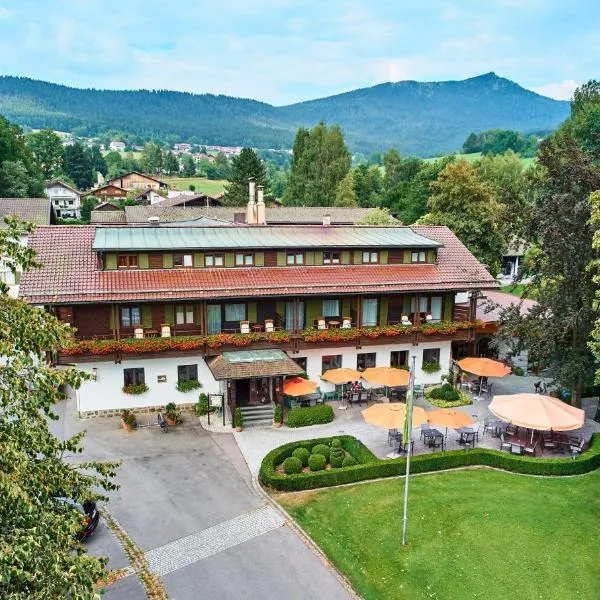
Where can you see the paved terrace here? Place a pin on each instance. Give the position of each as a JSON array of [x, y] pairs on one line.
[[256, 442]]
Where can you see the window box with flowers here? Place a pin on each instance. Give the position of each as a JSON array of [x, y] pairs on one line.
[[431, 367], [135, 389]]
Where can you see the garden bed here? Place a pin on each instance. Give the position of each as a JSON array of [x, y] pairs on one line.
[[370, 467], [447, 396]]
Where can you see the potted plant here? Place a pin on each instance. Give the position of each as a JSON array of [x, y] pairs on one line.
[[238, 419], [278, 416], [173, 414], [128, 420]]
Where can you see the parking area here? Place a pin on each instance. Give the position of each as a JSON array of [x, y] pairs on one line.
[[186, 499]]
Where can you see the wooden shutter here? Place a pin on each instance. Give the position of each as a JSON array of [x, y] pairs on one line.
[[229, 259], [407, 255], [259, 260], [167, 261], [143, 262], [448, 307], [309, 257], [345, 257], [169, 314], [198, 259], [383, 310], [281, 259], [345, 307], [110, 262], [252, 312], [358, 257], [431, 255], [313, 311], [146, 315], [318, 258], [383, 257], [198, 308]]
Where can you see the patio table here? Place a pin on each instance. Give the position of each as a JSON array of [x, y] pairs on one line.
[[304, 402]]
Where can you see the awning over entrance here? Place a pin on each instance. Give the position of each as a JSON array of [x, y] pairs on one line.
[[252, 364]]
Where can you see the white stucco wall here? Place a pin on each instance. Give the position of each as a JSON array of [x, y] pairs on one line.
[[105, 393]]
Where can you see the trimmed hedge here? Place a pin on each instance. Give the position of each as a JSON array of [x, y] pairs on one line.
[[313, 415], [371, 467], [316, 462]]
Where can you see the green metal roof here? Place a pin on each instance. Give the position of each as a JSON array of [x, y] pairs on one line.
[[246, 356], [223, 238]]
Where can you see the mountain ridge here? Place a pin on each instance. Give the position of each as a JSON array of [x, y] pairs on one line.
[[422, 118]]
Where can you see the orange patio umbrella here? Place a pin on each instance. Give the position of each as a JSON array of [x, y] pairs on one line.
[[392, 415], [484, 367], [448, 417], [535, 411], [296, 386], [387, 376], [340, 376]]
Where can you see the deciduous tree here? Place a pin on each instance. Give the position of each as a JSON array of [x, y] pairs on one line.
[[46, 146], [345, 196], [151, 159]]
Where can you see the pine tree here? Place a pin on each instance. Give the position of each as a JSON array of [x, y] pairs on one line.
[[245, 166], [170, 163], [188, 166], [78, 166], [97, 160]]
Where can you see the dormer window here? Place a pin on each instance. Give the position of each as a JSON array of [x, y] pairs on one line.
[[331, 257], [418, 256], [244, 260], [128, 261], [183, 260], [213, 260], [295, 258], [369, 257]]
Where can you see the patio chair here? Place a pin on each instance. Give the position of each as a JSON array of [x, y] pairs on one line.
[[269, 326], [394, 436], [516, 449], [364, 397], [418, 390], [548, 442], [436, 441], [405, 320], [424, 427], [354, 398], [319, 399], [467, 438], [577, 449], [244, 326], [321, 323], [504, 445], [489, 390], [346, 323], [511, 429], [138, 333], [488, 426], [530, 449]]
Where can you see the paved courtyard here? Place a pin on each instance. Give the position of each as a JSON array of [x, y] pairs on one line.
[[256, 442], [187, 500]]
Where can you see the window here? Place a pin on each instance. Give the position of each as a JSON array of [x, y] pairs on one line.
[[235, 312], [213, 260], [331, 257], [295, 258], [289, 315], [418, 256], [128, 261], [436, 308], [301, 362], [213, 318], [187, 373], [423, 305], [184, 314], [332, 361], [133, 377], [399, 358], [369, 312], [431, 355], [182, 260], [365, 361], [244, 260], [370, 257], [130, 316], [331, 308]]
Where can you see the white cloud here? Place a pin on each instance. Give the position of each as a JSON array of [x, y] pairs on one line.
[[559, 90]]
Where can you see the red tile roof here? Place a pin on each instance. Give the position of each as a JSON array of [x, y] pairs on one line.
[[71, 274]]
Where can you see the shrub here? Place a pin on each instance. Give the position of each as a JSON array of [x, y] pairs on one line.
[[187, 385], [335, 443], [322, 449], [370, 467], [336, 457], [238, 419], [201, 407], [292, 465], [430, 367], [446, 396], [317, 462], [172, 411], [135, 389], [349, 461], [128, 417], [302, 455], [278, 414], [315, 415], [518, 371]]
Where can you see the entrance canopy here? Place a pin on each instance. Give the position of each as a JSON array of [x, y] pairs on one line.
[[249, 364]]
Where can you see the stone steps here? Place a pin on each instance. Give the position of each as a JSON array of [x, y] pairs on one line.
[[261, 414]]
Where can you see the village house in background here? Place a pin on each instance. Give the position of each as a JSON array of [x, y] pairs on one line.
[[65, 199], [117, 146], [136, 180], [237, 307], [38, 211]]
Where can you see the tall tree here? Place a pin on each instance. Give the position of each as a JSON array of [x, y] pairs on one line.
[[20, 175], [468, 206], [46, 146], [345, 195], [114, 164], [151, 159], [321, 160], [244, 166], [40, 556], [368, 185], [170, 163], [585, 118], [78, 166], [97, 160], [188, 165], [391, 163]]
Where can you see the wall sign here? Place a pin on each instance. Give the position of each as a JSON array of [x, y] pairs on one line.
[[161, 378]]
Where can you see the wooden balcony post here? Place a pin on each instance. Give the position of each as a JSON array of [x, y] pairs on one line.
[[359, 311]]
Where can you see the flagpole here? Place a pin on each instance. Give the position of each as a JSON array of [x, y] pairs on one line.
[[409, 406]]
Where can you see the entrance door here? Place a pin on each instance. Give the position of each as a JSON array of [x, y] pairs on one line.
[[242, 392]]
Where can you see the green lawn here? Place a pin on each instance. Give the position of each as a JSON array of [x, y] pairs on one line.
[[516, 289], [472, 534], [208, 186]]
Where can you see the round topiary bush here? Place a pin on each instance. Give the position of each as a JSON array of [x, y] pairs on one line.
[[292, 465], [349, 461], [335, 443], [316, 462], [323, 450], [302, 455], [336, 460]]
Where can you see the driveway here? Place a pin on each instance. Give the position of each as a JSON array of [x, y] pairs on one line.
[[187, 500]]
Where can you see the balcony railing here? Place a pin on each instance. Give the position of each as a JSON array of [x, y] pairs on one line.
[[132, 345]]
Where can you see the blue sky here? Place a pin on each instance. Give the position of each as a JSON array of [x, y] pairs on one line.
[[283, 51]]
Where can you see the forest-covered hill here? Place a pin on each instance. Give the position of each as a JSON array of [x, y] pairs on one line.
[[418, 118]]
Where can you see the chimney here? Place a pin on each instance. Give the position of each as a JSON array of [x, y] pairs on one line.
[[326, 220], [261, 217], [153, 221], [251, 213]]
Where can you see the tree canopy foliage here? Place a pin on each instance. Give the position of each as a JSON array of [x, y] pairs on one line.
[[244, 167], [498, 141], [40, 556], [46, 146]]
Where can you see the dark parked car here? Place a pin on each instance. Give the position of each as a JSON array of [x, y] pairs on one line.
[[89, 513]]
